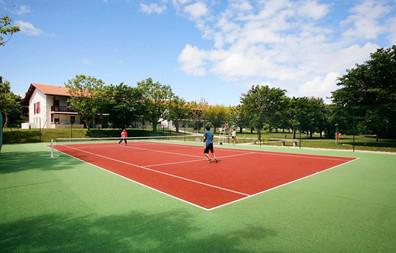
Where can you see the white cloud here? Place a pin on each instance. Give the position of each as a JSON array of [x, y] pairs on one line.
[[196, 10], [22, 9], [319, 86], [192, 60], [28, 28], [153, 8], [364, 20], [284, 43], [391, 25], [313, 9]]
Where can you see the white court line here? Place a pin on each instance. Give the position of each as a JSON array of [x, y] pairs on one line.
[[262, 152], [163, 173], [282, 185], [146, 149], [198, 160], [161, 151], [136, 182]]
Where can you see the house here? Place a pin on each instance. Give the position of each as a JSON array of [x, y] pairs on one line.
[[48, 107]]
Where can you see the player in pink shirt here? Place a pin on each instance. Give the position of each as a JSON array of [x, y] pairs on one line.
[[124, 135]]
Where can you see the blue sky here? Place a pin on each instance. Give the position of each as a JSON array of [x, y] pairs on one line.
[[213, 50]]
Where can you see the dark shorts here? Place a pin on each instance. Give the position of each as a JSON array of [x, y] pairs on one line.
[[208, 147], [233, 137]]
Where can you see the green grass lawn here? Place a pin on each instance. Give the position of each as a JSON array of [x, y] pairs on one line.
[[64, 205]]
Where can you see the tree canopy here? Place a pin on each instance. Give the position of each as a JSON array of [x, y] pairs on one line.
[[368, 93], [87, 97], [6, 29], [10, 104], [156, 97]]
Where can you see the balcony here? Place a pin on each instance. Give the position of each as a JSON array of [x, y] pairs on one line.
[[61, 109]]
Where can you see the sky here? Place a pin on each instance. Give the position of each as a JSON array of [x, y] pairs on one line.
[[204, 49]]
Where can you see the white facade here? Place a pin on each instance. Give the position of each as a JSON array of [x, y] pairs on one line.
[[50, 111]]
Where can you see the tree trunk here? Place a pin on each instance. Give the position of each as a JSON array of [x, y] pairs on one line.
[[240, 130], [294, 133], [5, 124], [259, 134], [177, 126], [154, 123]]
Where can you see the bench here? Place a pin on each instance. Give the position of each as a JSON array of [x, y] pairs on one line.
[[293, 142]]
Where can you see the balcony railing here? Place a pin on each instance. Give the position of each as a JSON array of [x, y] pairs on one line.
[[61, 109]]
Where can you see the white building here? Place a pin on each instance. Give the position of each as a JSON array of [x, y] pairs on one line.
[[48, 107]]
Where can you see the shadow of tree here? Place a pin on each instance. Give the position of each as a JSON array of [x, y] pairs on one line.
[[134, 232], [19, 161]]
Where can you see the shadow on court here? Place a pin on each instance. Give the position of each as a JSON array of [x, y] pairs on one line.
[[37, 160], [135, 232]]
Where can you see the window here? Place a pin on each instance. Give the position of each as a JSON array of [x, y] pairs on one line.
[[36, 108]]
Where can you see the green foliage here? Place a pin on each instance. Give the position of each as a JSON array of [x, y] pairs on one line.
[[178, 110], [87, 97], [124, 104], [6, 29], [156, 97], [216, 115], [368, 94], [308, 114], [237, 119], [10, 105], [264, 105]]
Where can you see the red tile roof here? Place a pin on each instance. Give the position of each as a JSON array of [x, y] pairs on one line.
[[46, 89], [51, 89]]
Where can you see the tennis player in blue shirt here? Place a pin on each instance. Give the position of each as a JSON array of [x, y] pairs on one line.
[[208, 139]]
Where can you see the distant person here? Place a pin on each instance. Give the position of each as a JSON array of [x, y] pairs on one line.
[[124, 136], [338, 136], [208, 139], [233, 136]]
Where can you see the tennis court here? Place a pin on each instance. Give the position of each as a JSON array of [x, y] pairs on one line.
[[162, 196], [181, 171]]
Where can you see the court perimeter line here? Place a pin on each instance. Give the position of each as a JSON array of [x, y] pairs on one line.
[[136, 182], [323, 157], [164, 173], [161, 151], [198, 160], [146, 149], [282, 185]]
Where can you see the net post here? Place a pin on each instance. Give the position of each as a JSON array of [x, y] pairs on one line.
[[52, 148]]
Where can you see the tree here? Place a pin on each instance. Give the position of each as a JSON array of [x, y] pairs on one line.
[[368, 93], [156, 96], [6, 29], [237, 118], [196, 114], [261, 103], [87, 97], [308, 115], [10, 104], [178, 110], [123, 103], [217, 115]]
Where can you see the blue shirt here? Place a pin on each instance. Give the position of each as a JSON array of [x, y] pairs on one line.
[[208, 137]]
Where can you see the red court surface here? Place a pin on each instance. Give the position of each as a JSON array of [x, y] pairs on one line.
[[181, 171]]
